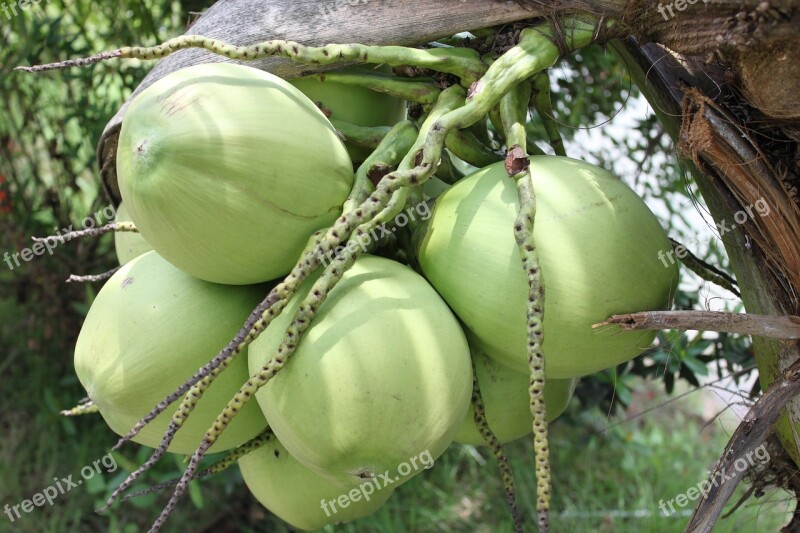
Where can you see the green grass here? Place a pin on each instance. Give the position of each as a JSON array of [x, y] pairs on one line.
[[599, 477]]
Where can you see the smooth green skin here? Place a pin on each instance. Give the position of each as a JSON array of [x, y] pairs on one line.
[[353, 104], [598, 249], [226, 170], [149, 329], [434, 187], [505, 396], [382, 375], [294, 493], [128, 245]]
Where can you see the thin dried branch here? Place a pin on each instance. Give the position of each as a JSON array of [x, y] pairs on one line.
[[776, 327]]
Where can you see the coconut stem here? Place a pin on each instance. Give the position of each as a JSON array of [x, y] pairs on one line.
[[91, 232], [467, 68], [497, 123], [411, 90], [363, 136], [481, 132], [217, 468], [533, 148], [387, 155], [447, 171], [506, 473], [704, 270], [513, 112], [513, 115], [535, 52], [92, 278], [523, 231], [84, 408], [468, 148], [544, 107]]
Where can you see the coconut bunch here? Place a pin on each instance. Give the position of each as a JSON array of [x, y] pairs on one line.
[[338, 275]]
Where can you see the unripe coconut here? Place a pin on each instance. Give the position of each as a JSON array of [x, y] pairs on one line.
[[226, 170], [127, 244], [382, 375], [598, 246], [300, 496], [353, 104], [150, 328], [507, 402]]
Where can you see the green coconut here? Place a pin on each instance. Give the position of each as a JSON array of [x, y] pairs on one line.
[[507, 401], [381, 376], [149, 329], [353, 104], [128, 245], [599, 249], [300, 496], [226, 170]]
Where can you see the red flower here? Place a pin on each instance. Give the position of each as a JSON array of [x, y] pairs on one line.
[[5, 197]]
